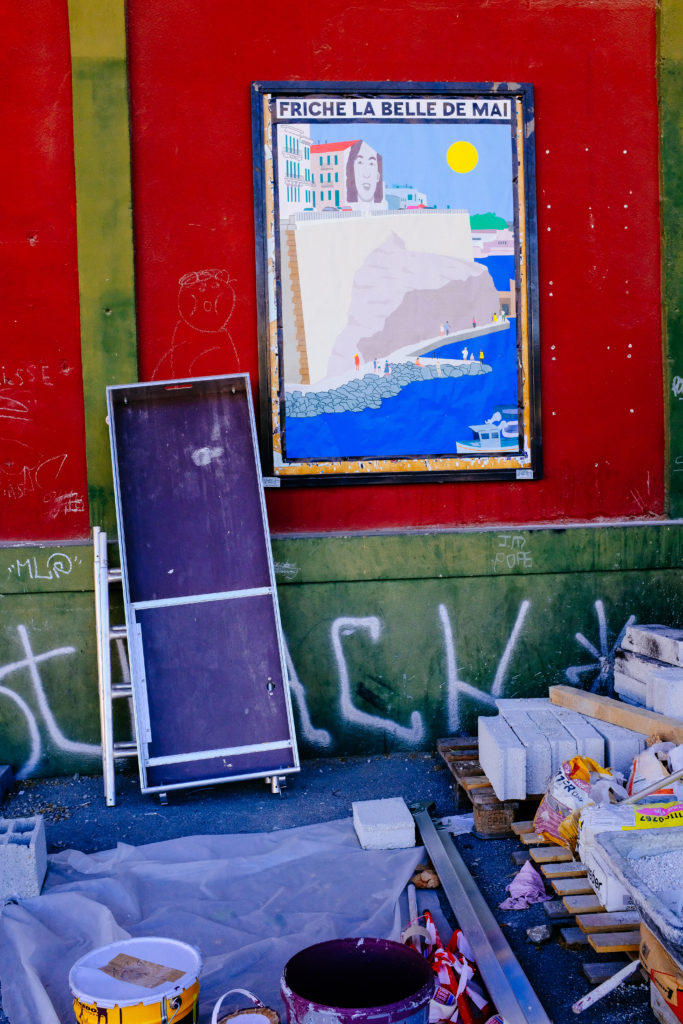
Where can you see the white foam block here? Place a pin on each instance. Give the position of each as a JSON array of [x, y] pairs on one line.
[[503, 758], [660, 642], [383, 824], [538, 756]]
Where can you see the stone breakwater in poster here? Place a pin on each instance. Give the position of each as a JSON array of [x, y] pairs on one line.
[[369, 391]]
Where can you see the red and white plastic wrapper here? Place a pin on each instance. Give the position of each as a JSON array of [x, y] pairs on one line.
[[459, 994]]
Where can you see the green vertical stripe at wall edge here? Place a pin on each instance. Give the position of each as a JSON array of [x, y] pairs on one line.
[[104, 229], [670, 80]]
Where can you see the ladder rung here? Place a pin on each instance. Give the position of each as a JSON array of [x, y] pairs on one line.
[[114, 575], [125, 750], [117, 631], [121, 690]]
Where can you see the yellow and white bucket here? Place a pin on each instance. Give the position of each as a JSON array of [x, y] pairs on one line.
[[137, 981]]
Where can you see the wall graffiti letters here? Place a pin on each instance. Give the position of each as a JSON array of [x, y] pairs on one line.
[[512, 552], [30, 663], [57, 564]]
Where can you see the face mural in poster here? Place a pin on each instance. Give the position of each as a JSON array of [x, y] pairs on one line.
[[397, 243]]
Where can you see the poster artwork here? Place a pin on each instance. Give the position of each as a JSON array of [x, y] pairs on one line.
[[400, 259]]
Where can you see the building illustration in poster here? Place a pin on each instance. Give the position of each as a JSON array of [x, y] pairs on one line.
[[395, 275]]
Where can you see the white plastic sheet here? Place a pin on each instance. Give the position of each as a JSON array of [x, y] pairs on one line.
[[248, 902]]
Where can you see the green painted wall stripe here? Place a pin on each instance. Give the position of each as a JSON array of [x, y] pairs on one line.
[[463, 553], [104, 227], [671, 126], [46, 568]]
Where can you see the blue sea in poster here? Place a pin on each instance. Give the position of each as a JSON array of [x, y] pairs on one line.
[[427, 417]]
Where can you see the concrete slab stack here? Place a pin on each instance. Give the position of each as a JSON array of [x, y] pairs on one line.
[[503, 757], [648, 669], [522, 748]]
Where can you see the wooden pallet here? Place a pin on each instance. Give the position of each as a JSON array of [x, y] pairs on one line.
[[492, 817], [582, 920]]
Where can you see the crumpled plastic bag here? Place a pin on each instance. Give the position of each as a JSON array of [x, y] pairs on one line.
[[525, 888]]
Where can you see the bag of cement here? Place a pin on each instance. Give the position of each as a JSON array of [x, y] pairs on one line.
[[571, 788], [648, 767]]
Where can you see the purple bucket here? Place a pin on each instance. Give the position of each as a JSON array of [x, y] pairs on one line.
[[350, 981]]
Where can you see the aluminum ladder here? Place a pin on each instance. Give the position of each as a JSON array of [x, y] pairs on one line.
[[109, 691]]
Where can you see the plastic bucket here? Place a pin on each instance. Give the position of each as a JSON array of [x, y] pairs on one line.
[[137, 981], [357, 980]]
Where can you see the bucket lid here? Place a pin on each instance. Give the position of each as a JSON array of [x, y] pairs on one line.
[[134, 971]]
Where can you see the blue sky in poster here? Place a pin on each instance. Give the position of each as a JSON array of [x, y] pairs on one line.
[[415, 154]]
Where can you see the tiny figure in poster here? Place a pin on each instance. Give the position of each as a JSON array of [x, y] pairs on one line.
[[481, 356], [465, 352], [356, 361], [446, 327]]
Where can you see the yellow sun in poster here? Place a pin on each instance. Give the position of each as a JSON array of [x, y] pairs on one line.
[[462, 157]]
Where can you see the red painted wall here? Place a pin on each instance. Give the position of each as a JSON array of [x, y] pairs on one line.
[[593, 68], [191, 65], [43, 491]]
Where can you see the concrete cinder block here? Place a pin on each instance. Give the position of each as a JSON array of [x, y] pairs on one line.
[[636, 666], [621, 745], [23, 856], [383, 824], [503, 758], [562, 743], [664, 690], [589, 742], [523, 703], [656, 685], [633, 690], [538, 756], [662, 643]]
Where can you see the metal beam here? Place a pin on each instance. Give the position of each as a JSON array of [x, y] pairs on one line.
[[507, 984]]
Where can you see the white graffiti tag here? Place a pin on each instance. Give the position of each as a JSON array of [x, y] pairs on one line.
[[320, 737], [31, 662], [458, 688], [603, 666], [412, 734]]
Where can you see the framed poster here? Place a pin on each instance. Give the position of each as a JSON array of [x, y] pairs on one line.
[[397, 281]]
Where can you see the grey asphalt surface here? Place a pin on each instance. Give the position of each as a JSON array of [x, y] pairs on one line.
[[76, 817]]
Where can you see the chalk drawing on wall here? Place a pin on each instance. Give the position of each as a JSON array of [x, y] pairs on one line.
[[458, 688], [25, 471], [12, 408], [206, 299], [603, 657], [346, 626], [30, 663]]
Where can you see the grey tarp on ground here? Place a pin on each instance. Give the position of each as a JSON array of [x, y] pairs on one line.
[[247, 901]]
